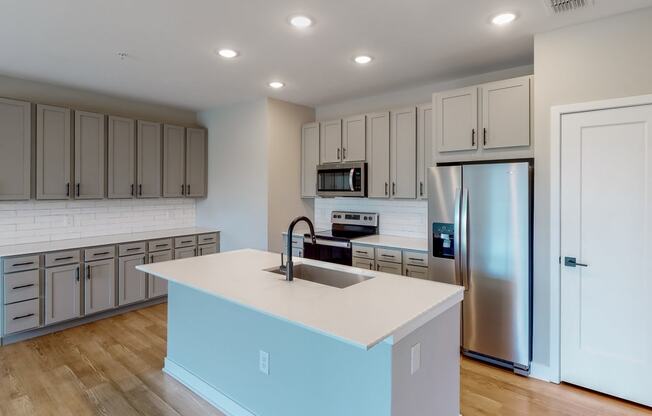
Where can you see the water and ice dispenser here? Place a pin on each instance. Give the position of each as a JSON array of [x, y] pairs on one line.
[[443, 240]]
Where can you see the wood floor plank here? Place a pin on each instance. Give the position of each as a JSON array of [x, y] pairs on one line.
[[114, 367]]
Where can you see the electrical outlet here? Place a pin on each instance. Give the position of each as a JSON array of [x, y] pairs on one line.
[[415, 362], [263, 362]]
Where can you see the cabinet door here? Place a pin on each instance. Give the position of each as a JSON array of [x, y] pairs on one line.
[[99, 286], [53, 152], [353, 139], [330, 142], [122, 159], [363, 263], [506, 113], [62, 293], [196, 163], [416, 272], [456, 124], [15, 150], [403, 151], [424, 148], [378, 151], [207, 249], [174, 156], [184, 253], [89, 155], [386, 267], [150, 160], [309, 159], [131, 282], [157, 286]]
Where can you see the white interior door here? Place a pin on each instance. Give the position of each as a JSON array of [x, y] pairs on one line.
[[606, 213]]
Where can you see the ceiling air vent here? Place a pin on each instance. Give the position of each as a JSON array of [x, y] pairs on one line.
[[561, 6]]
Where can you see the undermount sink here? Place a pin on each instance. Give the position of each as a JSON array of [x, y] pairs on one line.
[[328, 277]]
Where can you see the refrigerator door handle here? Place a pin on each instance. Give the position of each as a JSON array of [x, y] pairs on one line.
[[464, 243], [456, 249]]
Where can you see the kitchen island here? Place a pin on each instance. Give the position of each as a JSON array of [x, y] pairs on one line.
[[252, 343]]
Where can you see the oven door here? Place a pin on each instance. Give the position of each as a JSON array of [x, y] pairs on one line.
[[328, 250], [345, 179]]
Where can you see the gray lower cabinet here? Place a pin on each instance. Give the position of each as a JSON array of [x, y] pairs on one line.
[[174, 169], [387, 267], [184, 253], [416, 272], [121, 158], [62, 293], [403, 151], [156, 286], [196, 163], [207, 249], [150, 166], [90, 146], [378, 154], [363, 263], [53, 152], [99, 286], [15, 150], [131, 282]]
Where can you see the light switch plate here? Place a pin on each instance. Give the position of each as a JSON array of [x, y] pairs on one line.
[[415, 362], [263, 362]]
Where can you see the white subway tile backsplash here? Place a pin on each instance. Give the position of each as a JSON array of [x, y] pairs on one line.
[[400, 218], [36, 221]]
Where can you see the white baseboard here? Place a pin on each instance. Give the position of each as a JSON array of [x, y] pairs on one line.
[[541, 372], [204, 390]]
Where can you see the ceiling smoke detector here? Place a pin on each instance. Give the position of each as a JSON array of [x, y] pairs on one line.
[[561, 6]]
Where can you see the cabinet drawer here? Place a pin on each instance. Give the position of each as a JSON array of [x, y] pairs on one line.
[[21, 316], [207, 238], [61, 258], [417, 272], [159, 245], [415, 258], [181, 242], [363, 263], [363, 252], [387, 267], [99, 253], [131, 249], [184, 253], [21, 286], [389, 254], [18, 264]]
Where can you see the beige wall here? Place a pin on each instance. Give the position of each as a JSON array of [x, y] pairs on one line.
[[44, 93], [284, 179], [603, 59]]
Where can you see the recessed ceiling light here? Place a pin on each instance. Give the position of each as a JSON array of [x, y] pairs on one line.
[[301, 21], [227, 53], [276, 84], [503, 19], [363, 59]]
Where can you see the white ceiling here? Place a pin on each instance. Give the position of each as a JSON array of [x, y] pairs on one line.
[[171, 45]]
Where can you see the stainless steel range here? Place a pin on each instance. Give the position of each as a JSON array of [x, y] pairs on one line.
[[334, 245]]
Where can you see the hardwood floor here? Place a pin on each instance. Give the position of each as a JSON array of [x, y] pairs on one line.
[[113, 367]]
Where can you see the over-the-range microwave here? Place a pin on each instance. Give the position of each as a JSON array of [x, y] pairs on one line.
[[342, 179]]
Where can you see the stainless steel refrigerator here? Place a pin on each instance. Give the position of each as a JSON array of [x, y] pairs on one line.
[[480, 226]]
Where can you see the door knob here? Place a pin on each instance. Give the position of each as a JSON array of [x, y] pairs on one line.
[[572, 262]]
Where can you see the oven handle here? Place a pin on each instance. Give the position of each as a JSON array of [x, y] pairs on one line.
[[351, 179], [329, 243]]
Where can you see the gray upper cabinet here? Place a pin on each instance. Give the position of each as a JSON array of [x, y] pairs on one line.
[[378, 154], [131, 282], [506, 113], [403, 151], [150, 160], [174, 185], [330, 142], [89, 155], [62, 293], [424, 148], [53, 152], [456, 123], [353, 139], [309, 159], [15, 150], [196, 163], [99, 286], [121, 158]]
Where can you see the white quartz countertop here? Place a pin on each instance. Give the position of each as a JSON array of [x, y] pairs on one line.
[[404, 243], [48, 246], [363, 314]]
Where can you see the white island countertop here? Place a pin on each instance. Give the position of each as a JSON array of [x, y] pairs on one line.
[[363, 314], [73, 243]]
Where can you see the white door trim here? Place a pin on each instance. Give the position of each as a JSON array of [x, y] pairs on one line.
[[556, 113]]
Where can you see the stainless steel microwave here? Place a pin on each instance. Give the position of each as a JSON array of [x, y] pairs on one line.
[[342, 179]]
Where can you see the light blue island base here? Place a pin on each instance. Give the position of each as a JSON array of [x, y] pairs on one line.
[[214, 349]]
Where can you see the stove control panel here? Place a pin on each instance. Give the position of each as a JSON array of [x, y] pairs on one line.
[[354, 218]]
